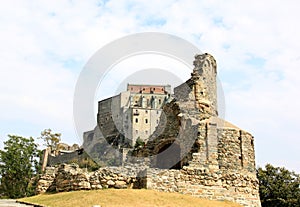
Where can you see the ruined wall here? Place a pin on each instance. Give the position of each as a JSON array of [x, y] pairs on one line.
[[71, 177], [236, 150], [65, 158], [200, 182], [240, 187]]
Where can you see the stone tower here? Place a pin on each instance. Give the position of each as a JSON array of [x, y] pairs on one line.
[[204, 77]]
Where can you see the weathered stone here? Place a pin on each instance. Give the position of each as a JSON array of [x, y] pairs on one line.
[[111, 183], [120, 184]]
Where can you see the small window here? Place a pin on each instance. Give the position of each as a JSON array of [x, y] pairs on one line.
[[146, 121], [143, 89], [136, 131], [159, 101], [146, 111], [157, 112], [136, 120], [146, 132]]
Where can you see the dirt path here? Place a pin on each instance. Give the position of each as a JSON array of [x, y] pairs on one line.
[[11, 203]]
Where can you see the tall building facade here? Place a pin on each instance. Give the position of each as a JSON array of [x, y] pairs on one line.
[[132, 114]]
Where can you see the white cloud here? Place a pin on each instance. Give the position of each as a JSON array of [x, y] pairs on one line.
[[45, 44]]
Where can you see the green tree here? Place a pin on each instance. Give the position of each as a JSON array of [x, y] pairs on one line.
[[51, 139], [19, 163], [278, 187]]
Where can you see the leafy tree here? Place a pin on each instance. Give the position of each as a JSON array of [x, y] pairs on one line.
[[51, 139], [18, 165], [278, 187]]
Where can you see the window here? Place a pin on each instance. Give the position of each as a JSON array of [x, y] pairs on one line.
[[146, 121], [136, 120], [146, 111], [146, 132], [159, 101], [136, 131]]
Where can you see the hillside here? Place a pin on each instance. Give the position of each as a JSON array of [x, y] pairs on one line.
[[124, 198]]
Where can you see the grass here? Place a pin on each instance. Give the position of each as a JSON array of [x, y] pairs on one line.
[[124, 198]]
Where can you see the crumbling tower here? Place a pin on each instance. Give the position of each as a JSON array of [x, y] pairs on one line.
[[205, 89]]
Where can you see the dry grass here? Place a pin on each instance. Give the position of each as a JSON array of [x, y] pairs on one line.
[[124, 198]]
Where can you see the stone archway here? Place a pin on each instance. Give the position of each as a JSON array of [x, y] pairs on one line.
[[168, 156]]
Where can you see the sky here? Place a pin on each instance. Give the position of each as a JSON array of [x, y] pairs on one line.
[[46, 44]]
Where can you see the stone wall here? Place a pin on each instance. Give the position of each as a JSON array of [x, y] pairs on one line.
[[232, 186], [66, 157], [71, 177], [240, 187]]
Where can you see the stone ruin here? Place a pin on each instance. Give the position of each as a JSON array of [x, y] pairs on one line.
[[192, 151]]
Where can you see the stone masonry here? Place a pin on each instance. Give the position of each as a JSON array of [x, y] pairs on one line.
[[192, 151]]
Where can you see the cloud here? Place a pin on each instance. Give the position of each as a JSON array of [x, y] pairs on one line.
[[45, 44]]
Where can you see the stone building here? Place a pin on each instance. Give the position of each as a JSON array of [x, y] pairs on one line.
[[191, 149], [123, 119]]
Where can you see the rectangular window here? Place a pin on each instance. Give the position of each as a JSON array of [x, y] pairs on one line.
[[146, 121], [136, 120]]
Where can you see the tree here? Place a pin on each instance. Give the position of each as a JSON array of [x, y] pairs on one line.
[[19, 163], [278, 187], [51, 139]]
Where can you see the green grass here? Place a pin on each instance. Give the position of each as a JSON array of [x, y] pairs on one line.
[[124, 198]]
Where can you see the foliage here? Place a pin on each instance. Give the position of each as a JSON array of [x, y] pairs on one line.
[[19, 164], [139, 143], [278, 187], [51, 139]]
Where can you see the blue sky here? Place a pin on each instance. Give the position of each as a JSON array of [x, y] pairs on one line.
[[45, 44]]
